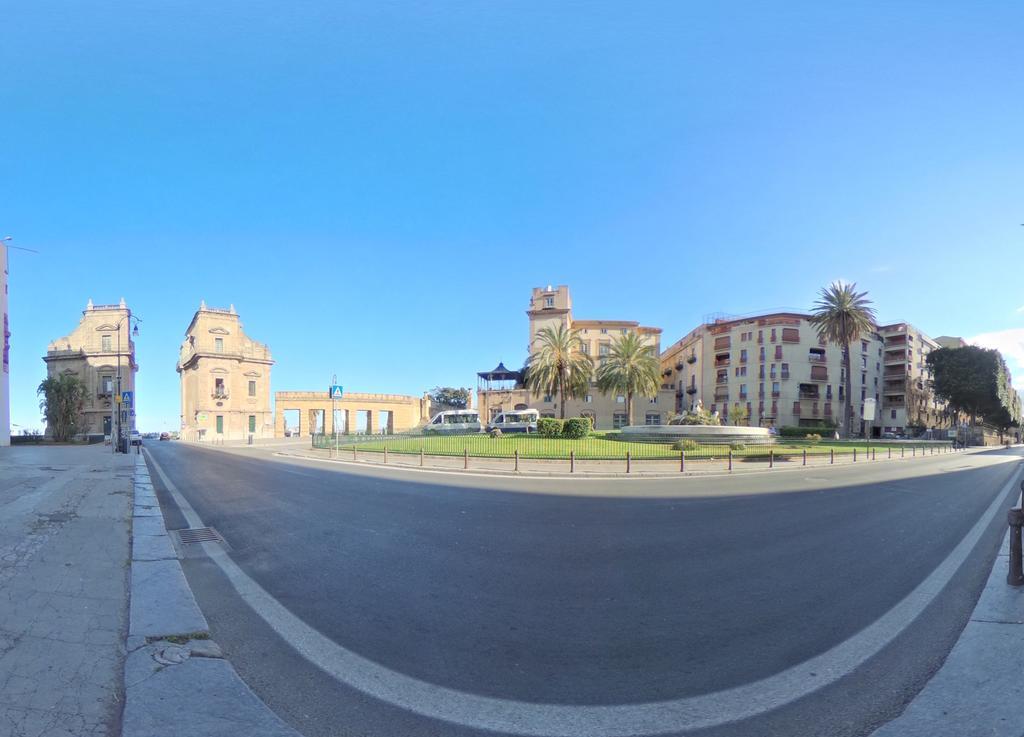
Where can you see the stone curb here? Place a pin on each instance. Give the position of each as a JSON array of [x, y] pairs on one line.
[[781, 466], [978, 690], [176, 679]]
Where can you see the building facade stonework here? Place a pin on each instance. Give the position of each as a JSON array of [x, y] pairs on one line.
[[551, 307], [354, 413], [225, 379], [773, 368], [5, 375], [96, 352]]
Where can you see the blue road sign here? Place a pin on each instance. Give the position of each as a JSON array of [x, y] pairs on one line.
[[335, 391], [126, 398]]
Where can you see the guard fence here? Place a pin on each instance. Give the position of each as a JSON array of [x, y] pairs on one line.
[[614, 447]]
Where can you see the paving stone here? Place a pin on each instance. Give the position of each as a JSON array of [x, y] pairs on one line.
[[153, 547], [161, 601]]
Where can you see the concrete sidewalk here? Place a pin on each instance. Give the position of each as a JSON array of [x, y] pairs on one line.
[[64, 545], [979, 690], [176, 680]]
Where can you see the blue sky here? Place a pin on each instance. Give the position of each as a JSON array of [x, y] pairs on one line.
[[376, 186]]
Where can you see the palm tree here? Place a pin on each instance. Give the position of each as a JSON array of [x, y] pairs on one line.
[[630, 368], [62, 398], [841, 315], [559, 365]]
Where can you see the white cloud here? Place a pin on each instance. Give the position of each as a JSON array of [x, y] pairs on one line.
[[1011, 344]]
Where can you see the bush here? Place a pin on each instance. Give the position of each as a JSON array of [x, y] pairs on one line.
[[813, 437], [686, 444], [576, 427], [804, 432], [495, 433], [737, 446], [549, 427]]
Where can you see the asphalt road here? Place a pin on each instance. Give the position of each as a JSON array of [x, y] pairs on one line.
[[591, 592]]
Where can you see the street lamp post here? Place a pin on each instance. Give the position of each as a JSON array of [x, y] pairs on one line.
[[118, 408]]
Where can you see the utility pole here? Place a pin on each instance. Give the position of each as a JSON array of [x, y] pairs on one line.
[[119, 405]]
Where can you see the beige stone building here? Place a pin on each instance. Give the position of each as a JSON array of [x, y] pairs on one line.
[[552, 306], [774, 366], [908, 402], [98, 347], [357, 413], [225, 379]]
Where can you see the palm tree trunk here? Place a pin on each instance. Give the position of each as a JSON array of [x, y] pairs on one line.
[[849, 393], [561, 394], [629, 408]]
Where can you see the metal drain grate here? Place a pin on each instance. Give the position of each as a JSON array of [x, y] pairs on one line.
[[198, 535]]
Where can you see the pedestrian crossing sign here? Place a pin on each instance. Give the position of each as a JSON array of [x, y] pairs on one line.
[[336, 391]]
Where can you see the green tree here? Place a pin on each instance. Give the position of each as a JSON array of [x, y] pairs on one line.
[[61, 404], [450, 397], [559, 366], [841, 315], [738, 415], [975, 381], [630, 368]]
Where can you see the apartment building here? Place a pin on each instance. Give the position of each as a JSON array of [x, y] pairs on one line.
[[552, 306], [774, 366], [908, 401], [5, 382], [97, 351], [225, 379]]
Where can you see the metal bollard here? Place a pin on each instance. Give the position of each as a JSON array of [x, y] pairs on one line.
[[572, 461], [385, 455], [730, 459], [1015, 576], [854, 455], [629, 461], [517, 459], [421, 457], [465, 457], [873, 456], [831, 456], [903, 451], [771, 458], [682, 461], [913, 452], [354, 452], [805, 456], [890, 452]]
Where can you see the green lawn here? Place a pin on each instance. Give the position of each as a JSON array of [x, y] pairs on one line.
[[598, 446]]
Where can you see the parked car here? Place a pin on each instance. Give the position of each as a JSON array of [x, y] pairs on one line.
[[134, 438], [165, 436], [889, 436]]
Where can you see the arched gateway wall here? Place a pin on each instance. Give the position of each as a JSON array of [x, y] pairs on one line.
[[387, 412]]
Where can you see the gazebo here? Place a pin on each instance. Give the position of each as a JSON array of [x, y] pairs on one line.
[[497, 379]]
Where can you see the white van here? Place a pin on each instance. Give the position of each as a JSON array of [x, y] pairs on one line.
[[523, 420], [454, 421]]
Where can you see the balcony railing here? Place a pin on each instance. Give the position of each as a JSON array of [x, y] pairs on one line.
[[810, 396], [219, 394], [814, 358], [720, 362], [785, 375]]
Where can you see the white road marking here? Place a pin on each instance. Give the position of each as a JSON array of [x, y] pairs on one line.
[[556, 720]]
